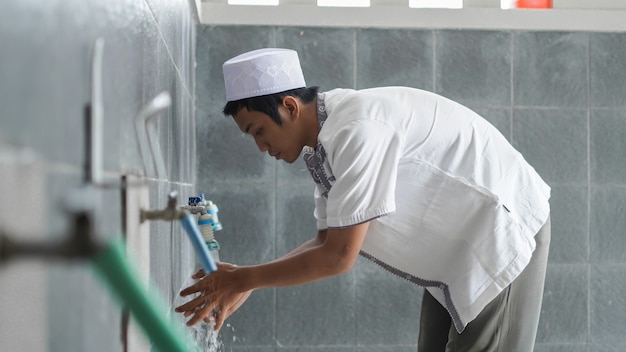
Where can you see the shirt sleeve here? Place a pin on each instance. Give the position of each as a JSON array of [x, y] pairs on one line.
[[320, 210], [364, 157]]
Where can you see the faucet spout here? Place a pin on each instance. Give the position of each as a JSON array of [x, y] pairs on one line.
[[170, 213]]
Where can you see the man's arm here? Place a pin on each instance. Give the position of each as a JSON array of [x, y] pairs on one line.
[[314, 242], [332, 252], [329, 254]]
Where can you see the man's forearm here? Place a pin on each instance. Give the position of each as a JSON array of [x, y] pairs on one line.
[[319, 258], [310, 263], [316, 241]]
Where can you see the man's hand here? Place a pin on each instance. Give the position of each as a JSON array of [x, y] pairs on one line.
[[218, 297]]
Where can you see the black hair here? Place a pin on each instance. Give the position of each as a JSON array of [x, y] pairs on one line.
[[268, 104]]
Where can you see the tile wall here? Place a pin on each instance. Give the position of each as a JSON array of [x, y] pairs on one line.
[[558, 97], [45, 84]]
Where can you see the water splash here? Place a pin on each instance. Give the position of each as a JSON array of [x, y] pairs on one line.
[[202, 336], [207, 339]]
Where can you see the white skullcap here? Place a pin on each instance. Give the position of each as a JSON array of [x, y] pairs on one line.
[[262, 72]]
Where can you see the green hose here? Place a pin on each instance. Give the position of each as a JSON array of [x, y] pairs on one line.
[[117, 272]]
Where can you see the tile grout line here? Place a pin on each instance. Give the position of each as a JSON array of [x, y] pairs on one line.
[[273, 39], [169, 53], [588, 337], [354, 58], [355, 324], [512, 37], [434, 73]]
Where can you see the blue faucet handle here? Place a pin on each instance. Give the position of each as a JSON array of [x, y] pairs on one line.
[[202, 251]]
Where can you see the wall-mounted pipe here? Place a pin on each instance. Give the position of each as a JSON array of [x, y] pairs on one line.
[[94, 119], [145, 130], [115, 270]]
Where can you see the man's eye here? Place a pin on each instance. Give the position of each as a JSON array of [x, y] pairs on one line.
[[258, 132]]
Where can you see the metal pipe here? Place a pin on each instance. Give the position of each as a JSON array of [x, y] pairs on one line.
[[80, 244], [170, 213], [146, 133]]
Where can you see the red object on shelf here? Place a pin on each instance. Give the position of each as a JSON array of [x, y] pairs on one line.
[[534, 4]]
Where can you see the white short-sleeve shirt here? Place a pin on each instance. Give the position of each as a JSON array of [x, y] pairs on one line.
[[452, 205]]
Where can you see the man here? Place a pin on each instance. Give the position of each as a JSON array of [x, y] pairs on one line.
[[417, 183]]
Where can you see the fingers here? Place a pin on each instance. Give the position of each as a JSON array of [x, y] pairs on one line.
[[219, 321], [201, 315], [191, 305], [221, 317], [198, 275], [191, 289]]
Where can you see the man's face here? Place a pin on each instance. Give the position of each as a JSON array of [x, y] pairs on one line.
[[279, 141]]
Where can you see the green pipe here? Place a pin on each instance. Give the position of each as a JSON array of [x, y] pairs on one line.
[[114, 268]]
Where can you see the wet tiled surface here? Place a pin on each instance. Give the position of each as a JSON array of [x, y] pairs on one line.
[[45, 70]]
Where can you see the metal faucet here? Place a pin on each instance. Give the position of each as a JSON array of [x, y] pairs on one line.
[[170, 213]]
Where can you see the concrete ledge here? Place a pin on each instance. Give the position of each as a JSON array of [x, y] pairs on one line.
[[400, 17]]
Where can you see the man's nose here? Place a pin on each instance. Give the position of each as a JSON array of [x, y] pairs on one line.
[[263, 147]]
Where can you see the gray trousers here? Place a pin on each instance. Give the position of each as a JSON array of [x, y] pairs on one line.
[[507, 324]]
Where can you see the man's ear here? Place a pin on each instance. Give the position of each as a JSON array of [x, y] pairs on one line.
[[292, 105]]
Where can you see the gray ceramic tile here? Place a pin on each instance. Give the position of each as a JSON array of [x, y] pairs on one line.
[[64, 280], [161, 233], [564, 308], [568, 208], [607, 347], [172, 17], [500, 118], [319, 313], [412, 348], [181, 137], [566, 347], [608, 224], [186, 145], [247, 217], [608, 69], [295, 223], [184, 261], [225, 153], [253, 324], [326, 54], [394, 57], [316, 348], [554, 142], [295, 173], [48, 68], [608, 146], [254, 349], [122, 96], [164, 78], [103, 332], [175, 125], [388, 309], [608, 304], [474, 67], [43, 96], [560, 80]]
